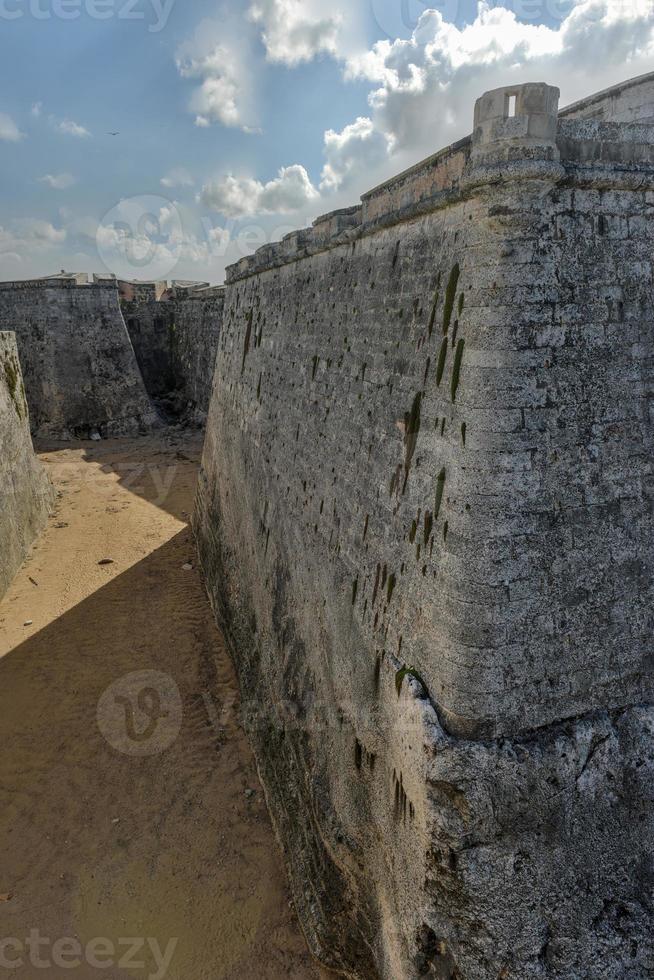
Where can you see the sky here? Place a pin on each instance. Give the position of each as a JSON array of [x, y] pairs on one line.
[[168, 138]]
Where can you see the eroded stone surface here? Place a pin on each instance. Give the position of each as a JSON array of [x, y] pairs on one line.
[[174, 330], [81, 375], [26, 494]]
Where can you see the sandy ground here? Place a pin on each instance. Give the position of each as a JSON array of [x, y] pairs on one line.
[[130, 809]]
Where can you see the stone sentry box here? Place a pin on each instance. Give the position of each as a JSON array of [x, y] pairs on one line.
[[526, 114], [424, 518]]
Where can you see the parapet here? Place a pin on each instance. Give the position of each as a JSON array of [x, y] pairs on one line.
[[137, 291], [628, 102], [424, 187], [194, 292], [519, 134], [73, 281], [514, 126], [77, 278]]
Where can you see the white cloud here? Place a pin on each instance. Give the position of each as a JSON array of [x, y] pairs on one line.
[[422, 88], [294, 31], [7, 241], [238, 197], [8, 129], [39, 232], [216, 99], [143, 252], [616, 34], [58, 182], [219, 239], [223, 54], [71, 128], [29, 237], [426, 85], [37, 109], [178, 177], [354, 152], [149, 238], [218, 58]]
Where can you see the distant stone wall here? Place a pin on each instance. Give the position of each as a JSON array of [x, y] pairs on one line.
[[175, 330], [81, 375], [26, 494], [424, 517], [197, 322], [149, 323]]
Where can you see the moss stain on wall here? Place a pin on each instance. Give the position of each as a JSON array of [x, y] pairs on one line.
[[456, 370], [450, 296], [411, 430]]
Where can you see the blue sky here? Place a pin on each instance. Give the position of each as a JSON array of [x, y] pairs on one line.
[[239, 121]]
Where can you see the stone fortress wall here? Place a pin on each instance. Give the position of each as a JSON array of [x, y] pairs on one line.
[[630, 102], [424, 518], [174, 330], [26, 495], [197, 325], [107, 356], [85, 374], [149, 324], [81, 375]]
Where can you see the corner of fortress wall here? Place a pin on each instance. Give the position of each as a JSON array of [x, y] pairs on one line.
[[95, 353], [80, 371], [26, 495], [174, 330], [197, 326], [424, 518]]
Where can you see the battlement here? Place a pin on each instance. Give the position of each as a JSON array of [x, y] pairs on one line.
[[156, 291], [515, 133]]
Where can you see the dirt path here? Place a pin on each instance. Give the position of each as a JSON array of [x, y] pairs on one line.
[[134, 814]]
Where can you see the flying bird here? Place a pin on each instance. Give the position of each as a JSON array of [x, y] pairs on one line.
[[113, 134]]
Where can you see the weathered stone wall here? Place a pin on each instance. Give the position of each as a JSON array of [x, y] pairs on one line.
[[26, 494], [81, 375], [175, 330], [149, 323], [424, 518], [631, 102], [198, 316]]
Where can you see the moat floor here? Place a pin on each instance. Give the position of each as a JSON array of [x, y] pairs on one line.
[[107, 832]]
